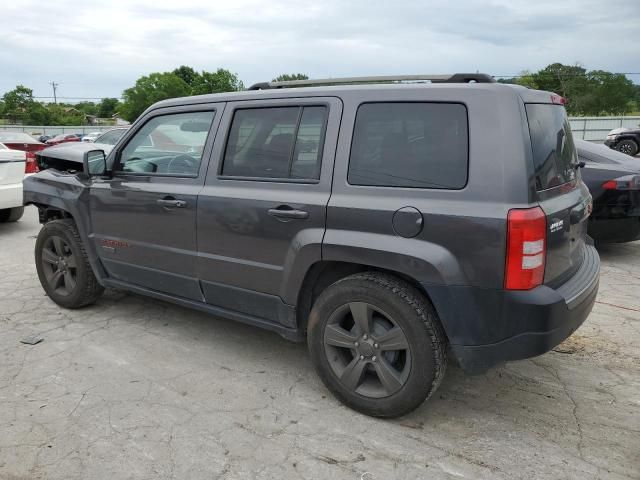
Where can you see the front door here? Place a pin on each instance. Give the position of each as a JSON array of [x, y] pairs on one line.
[[144, 216], [261, 214]]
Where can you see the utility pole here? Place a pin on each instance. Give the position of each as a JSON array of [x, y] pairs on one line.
[[55, 86]]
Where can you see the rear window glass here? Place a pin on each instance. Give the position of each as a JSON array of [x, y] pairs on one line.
[[423, 145], [554, 153]]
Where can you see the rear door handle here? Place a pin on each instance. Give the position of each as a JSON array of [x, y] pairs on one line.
[[287, 212], [170, 202]]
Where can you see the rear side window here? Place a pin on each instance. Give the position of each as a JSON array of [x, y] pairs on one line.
[[423, 145], [276, 142], [554, 153]]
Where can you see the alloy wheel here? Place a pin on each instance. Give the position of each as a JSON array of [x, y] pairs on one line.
[[59, 265], [367, 350]]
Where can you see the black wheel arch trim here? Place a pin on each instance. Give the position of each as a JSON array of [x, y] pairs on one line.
[[66, 193]]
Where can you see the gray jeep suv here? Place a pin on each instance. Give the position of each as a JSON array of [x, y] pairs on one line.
[[383, 222]]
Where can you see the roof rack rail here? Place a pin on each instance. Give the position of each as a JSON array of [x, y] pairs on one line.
[[455, 78]]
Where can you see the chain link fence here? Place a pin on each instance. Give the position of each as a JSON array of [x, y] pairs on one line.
[[37, 130], [595, 129]]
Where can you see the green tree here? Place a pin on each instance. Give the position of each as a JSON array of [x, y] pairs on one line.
[[17, 101], [65, 115], [609, 93], [216, 82], [107, 107], [88, 108], [38, 114], [188, 74], [595, 92], [151, 89], [526, 79], [285, 77]]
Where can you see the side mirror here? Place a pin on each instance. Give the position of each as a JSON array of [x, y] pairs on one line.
[[94, 163]]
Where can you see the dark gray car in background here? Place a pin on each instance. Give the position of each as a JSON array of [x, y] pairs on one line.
[[613, 179], [382, 223]]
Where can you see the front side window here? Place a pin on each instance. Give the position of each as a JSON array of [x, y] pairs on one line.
[[420, 145], [276, 142], [168, 145]]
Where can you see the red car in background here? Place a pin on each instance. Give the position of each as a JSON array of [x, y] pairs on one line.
[[63, 138], [26, 143]]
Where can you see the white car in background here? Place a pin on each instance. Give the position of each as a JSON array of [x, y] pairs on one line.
[[12, 168], [91, 136]]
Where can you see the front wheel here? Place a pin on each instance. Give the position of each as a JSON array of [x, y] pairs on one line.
[[627, 146], [63, 266], [377, 344]]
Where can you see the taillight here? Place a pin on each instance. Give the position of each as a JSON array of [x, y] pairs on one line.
[[526, 248], [32, 165], [629, 182]]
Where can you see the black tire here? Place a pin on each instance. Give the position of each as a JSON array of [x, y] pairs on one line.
[[63, 266], [628, 147], [393, 303], [11, 214]]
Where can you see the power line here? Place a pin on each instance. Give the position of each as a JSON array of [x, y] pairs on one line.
[[78, 98]]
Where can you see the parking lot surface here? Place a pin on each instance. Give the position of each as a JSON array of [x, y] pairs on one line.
[[133, 388]]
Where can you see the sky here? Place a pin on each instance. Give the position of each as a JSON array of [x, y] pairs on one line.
[[98, 49]]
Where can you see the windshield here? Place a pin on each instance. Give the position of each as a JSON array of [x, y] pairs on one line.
[[554, 153]]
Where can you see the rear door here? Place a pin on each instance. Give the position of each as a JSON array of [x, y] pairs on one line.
[[563, 196], [262, 212], [144, 217]]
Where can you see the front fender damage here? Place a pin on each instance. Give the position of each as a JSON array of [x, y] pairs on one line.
[[58, 194]]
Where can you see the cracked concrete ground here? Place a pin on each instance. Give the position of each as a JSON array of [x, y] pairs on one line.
[[136, 388]]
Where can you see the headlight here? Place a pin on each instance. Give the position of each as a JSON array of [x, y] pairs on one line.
[[611, 137]]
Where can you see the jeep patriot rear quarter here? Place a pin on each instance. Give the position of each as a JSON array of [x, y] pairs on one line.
[[380, 221]]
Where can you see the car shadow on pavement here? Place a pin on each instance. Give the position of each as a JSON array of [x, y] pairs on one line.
[[504, 391]]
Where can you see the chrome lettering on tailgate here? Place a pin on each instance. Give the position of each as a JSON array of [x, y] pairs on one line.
[[556, 226]]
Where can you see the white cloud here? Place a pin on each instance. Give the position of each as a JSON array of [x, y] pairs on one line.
[[99, 49]]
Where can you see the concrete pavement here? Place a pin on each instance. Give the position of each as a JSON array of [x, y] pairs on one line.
[[133, 388]]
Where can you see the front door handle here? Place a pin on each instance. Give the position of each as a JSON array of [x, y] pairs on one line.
[[170, 202], [287, 212]]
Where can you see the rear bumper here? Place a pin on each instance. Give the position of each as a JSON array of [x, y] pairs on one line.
[[11, 195], [615, 230], [494, 326]]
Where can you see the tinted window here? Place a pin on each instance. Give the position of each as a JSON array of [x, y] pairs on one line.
[[554, 153], [168, 145], [422, 145], [278, 142], [111, 137]]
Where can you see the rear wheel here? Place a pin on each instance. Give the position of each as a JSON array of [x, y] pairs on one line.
[[627, 146], [377, 344], [63, 266], [11, 214]]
